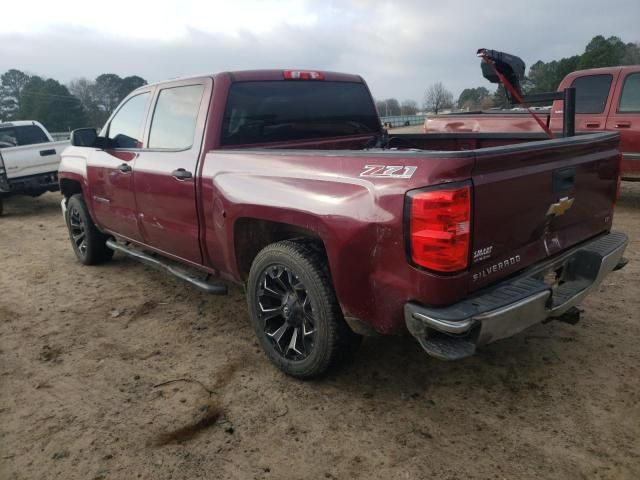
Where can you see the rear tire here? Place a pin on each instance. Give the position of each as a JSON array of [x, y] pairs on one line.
[[89, 244], [295, 312]]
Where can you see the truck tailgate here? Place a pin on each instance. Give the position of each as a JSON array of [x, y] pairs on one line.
[[33, 159], [535, 200]]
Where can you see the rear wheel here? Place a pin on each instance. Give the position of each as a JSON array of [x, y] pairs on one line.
[[88, 243], [295, 312]]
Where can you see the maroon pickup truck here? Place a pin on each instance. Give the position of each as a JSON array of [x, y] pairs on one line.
[[284, 182], [606, 99]]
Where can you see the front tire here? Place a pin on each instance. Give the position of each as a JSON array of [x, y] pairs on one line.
[[294, 310], [89, 244]]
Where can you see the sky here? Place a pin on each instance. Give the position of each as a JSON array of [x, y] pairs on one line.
[[399, 47]]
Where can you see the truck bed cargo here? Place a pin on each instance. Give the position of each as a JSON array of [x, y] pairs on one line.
[[607, 99]]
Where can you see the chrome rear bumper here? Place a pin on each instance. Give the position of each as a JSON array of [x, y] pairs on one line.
[[511, 306]]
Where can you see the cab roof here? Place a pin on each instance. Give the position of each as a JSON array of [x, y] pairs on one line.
[[266, 75]]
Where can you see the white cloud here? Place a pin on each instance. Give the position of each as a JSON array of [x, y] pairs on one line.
[[398, 47], [159, 20]]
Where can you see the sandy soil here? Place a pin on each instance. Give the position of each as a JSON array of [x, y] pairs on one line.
[[84, 352]]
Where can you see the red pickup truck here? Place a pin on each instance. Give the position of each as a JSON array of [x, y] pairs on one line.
[[284, 182], [606, 99]]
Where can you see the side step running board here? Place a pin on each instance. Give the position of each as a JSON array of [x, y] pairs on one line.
[[213, 288]]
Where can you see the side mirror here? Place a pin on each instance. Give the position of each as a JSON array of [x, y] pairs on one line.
[[84, 137]]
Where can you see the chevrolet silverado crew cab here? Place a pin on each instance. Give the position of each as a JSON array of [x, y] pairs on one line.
[[606, 99], [29, 159], [284, 182]]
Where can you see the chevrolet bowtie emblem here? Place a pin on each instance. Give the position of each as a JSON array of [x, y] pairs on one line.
[[561, 207]]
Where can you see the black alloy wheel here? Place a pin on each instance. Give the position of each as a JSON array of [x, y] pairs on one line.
[[286, 312], [77, 231], [89, 244], [295, 312]]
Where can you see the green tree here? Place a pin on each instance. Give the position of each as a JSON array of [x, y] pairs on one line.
[[472, 98], [50, 103], [129, 84], [100, 97], [601, 52], [107, 92], [631, 54], [500, 99], [11, 84], [545, 77], [84, 90]]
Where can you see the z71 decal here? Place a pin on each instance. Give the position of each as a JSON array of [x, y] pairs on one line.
[[388, 171]]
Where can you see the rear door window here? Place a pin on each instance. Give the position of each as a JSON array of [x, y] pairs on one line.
[[8, 137], [126, 128], [30, 135], [276, 111], [22, 135], [630, 96], [174, 120], [592, 92]]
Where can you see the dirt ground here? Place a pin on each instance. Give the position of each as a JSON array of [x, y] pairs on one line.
[[84, 353]]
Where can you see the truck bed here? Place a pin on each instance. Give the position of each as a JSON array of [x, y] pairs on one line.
[[35, 159], [486, 122], [516, 180]]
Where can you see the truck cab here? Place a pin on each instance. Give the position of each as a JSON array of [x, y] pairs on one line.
[[607, 99]]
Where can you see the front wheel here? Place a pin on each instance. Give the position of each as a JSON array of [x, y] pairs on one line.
[[89, 244], [294, 310]]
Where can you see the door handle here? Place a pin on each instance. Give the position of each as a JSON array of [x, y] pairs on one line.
[[182, 174], [124, 167], [623, 125], [592, 125], [46, 153]]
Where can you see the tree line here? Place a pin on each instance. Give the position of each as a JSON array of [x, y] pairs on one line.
[[542, 77], [86, 102], [83, 102]]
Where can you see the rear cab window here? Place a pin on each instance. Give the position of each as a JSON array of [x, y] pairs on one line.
[[592, 92], [630, 96], [18, 136], [277, 111]]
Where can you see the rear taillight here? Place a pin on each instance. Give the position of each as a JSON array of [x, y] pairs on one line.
[[439, 225], [302, 75]]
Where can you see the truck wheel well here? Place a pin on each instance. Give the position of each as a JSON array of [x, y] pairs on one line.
[[70, 187], [251, 235]]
